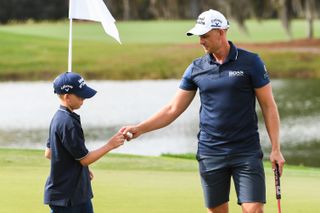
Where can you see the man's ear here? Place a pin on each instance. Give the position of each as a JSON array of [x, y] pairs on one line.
[[222, 32]]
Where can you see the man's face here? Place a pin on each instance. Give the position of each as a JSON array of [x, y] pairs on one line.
[[211, 41]]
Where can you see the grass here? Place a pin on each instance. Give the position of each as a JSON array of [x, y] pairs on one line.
[[151, 32], [143, 184], [150, 50]]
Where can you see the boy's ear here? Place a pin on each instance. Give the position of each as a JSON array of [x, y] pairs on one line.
[[63, 96], [66, 96]]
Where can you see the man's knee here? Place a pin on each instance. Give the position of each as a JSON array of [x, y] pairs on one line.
[[223, 208], [252, 207]]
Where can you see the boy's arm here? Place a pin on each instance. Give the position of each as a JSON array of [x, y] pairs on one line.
[[116, 141], [47, 153]]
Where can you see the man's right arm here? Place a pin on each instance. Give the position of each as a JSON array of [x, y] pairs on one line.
[[165, 116]]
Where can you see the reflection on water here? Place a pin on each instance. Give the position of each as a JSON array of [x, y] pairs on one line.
[[30, 106], [27, 108]]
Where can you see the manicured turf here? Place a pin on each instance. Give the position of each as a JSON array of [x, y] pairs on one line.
[[125, 183], [171, 32], [150, 50]]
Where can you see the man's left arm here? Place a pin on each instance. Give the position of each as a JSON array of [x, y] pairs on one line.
[[272, 121]]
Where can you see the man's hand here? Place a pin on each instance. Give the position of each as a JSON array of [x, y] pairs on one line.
[[130, 132], [277, 157]]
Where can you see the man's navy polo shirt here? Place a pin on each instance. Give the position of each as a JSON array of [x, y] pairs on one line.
[[228, 120], [69, 182]]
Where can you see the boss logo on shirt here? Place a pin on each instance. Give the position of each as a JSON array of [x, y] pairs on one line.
[[236, 73]]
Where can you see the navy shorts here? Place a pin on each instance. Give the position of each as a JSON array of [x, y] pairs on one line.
[[246, 170], [82, 208]]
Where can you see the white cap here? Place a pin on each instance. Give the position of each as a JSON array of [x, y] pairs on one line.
[[208, 20]]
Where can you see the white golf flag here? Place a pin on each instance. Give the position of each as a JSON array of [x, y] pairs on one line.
[[94, 10]]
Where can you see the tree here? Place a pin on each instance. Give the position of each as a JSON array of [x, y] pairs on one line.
[[126, 9], [310, 10], [194, 8], [297, 8], [283, 8]]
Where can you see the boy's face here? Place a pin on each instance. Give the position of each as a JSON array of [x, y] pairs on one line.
[[72, 101]]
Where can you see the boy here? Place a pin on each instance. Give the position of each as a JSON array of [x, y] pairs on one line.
[[68, 187]]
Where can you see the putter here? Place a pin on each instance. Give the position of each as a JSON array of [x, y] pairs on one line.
[[277, 184]]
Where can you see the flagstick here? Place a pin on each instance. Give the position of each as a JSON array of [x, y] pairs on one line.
[[70, 47], [70, 41]]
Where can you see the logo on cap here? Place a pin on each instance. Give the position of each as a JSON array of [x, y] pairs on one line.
[[66, 87], [216, 23], [201, 20], [81, 83]]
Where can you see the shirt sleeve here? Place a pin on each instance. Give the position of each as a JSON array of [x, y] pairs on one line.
[[74, 142], [259, 74], [186, 82]]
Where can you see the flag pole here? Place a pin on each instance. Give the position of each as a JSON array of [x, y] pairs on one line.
[[70, 41]]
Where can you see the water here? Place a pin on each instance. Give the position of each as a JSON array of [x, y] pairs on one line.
[[27, 108]]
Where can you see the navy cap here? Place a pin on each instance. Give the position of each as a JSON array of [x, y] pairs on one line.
[[72, 83]]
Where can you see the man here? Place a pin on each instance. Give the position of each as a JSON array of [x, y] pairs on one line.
[[229, 81]]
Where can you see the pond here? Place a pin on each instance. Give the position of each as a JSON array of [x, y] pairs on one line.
[[27, 108]]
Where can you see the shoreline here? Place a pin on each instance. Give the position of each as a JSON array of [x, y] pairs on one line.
[[187, 157]]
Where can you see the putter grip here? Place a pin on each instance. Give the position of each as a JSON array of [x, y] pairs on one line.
[[277, 182]]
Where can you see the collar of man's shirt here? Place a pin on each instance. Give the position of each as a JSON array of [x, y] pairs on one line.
[[232, 56]]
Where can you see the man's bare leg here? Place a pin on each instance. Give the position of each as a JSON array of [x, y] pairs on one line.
[[223, 208], [252, 207]]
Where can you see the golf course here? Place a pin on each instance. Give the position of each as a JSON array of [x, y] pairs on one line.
[[149, 50], [144, 184]]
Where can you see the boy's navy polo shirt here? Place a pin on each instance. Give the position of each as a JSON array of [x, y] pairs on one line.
[[228, 120], [69, 182]]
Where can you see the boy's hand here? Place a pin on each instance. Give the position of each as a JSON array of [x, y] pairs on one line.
[[117, 140], [91, 174], [47, 153]]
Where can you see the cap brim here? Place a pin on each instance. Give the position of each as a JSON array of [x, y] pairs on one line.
[[86, 92], [198, 30]]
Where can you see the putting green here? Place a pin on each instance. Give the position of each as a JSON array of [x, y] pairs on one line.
[[138, 184]]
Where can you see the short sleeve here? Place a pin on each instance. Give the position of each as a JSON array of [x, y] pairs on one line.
[[187, 83], [74, 142], [259, 74]]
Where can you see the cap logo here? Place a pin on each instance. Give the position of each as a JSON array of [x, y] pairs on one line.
[[66, 87], [81, 82], [216, 23], [201, 20]]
